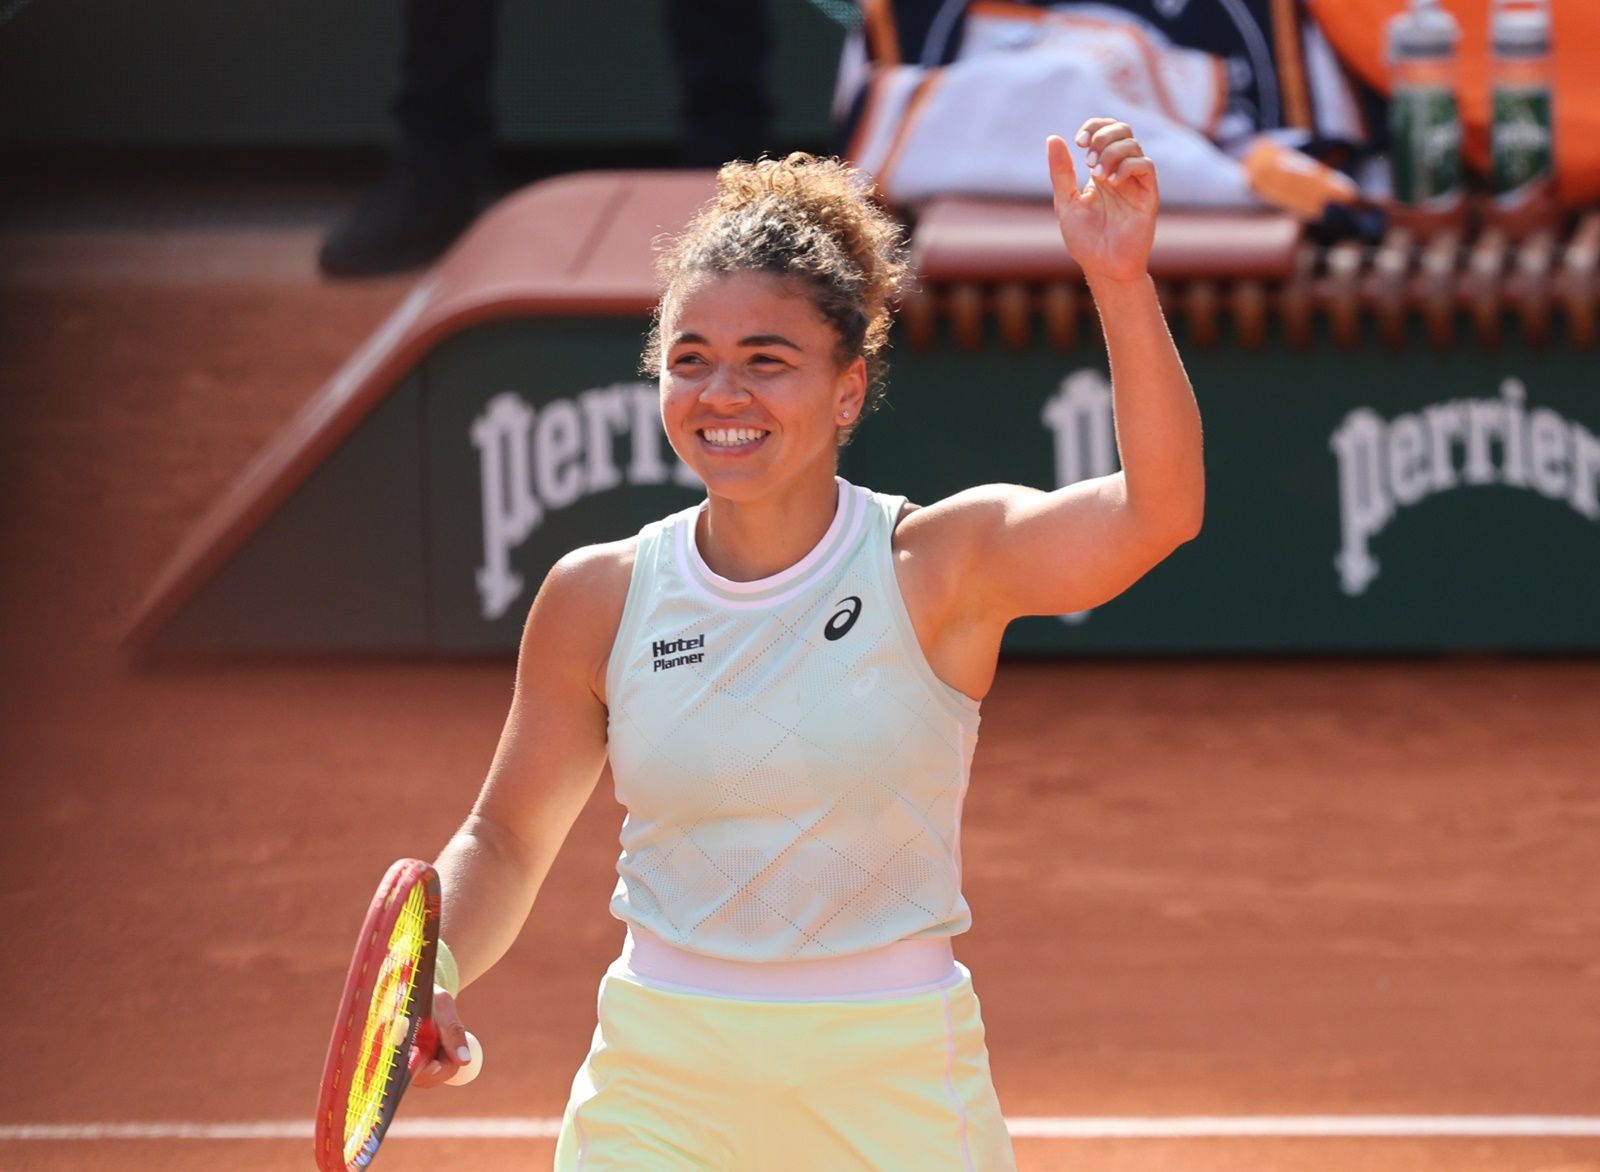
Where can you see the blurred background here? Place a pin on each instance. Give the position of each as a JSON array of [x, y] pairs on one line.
[[233, 104], [319, 332]]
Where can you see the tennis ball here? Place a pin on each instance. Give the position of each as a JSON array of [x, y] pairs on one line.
[[468, 1072]]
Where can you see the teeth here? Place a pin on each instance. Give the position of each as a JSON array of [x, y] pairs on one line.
[[728, 437]]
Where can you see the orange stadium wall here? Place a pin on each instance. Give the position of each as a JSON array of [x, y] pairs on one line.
[[1356, 30]]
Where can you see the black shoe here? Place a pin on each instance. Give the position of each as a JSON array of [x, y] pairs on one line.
[[405, 223]]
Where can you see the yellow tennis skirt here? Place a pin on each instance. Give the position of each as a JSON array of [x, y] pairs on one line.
[[679, 1080]]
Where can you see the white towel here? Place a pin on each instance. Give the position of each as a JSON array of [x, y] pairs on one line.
[[977, 126]]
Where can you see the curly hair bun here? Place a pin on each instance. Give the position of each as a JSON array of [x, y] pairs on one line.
[[811, 219]]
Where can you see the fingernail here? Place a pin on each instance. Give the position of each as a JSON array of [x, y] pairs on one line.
[[463, 1054], [1098, 169], [1092, 158], [433, 1069], [1083, 138]]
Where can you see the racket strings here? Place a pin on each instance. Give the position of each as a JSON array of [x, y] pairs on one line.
[[386, 1032]]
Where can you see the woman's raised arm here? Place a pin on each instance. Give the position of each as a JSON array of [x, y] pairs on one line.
[[1026, 551]]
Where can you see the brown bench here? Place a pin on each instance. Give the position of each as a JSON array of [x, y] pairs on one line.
[[1005, 258], [1003, 261]]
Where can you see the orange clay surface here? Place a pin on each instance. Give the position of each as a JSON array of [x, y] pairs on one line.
[[1246, 888]]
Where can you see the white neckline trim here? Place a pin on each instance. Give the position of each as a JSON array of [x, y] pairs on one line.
[[849, 515]]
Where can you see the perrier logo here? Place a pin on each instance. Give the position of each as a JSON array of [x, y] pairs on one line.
[[1427, 156], [1386, 465], [533, 463], [1520, 138]]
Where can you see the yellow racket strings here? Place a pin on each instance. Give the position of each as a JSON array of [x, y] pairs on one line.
[[383, 1036]]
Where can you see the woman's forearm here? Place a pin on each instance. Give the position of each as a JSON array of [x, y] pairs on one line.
[[1157, 419], [489, 880]]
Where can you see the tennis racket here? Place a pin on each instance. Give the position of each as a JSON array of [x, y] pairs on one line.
[[385, 1030]]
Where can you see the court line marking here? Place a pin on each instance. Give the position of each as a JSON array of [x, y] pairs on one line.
[[1021, 1127]]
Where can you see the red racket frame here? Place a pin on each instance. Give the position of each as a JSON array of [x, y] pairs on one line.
[[422, 1038]]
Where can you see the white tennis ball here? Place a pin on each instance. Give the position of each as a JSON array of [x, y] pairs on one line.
[[468, 1072]]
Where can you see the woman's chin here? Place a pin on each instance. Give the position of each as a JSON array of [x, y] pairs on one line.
[[739, 484], [753, 471]]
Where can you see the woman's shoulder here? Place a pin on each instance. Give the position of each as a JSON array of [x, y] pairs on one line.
[[591, 577], [578, 610], [953, 521]]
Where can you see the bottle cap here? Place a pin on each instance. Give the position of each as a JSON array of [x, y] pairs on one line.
[[1424, 30], [1521, 30]]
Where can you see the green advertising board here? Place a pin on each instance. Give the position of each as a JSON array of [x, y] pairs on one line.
[[1366, 500], [541, 437]]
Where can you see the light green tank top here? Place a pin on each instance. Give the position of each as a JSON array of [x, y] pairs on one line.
[[793, 770]]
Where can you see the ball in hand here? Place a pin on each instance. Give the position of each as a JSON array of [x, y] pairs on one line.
[[469, 1070]]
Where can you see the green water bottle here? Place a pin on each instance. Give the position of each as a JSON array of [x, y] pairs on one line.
[[1522, 172], [1424, 120]]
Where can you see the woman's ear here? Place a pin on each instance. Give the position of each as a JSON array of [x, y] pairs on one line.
[[852, 392]]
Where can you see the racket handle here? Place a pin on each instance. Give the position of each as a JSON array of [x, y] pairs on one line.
[[471, 1068], [425, 1046]]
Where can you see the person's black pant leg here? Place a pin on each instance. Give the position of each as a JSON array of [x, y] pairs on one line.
[[444, 106], [722, 50]]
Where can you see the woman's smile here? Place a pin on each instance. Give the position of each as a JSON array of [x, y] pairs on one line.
[[732, 441]]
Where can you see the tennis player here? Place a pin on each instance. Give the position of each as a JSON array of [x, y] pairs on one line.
[[786, 680]]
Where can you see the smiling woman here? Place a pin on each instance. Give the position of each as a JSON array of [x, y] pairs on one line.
[[785, 680], [754, 398], [811, 223]]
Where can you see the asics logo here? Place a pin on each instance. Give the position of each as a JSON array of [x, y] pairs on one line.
[[843, 619]]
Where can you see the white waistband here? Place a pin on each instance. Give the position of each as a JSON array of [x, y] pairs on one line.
[[899, 969]]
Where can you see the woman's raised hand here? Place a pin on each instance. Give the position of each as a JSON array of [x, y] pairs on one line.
[[1108, 224]]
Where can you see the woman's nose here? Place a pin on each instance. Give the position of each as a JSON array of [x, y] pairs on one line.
[[722, 387]]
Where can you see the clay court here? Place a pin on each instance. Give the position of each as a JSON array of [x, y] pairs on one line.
[[1258, 891]]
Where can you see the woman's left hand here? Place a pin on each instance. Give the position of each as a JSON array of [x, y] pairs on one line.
[[1109, 224]]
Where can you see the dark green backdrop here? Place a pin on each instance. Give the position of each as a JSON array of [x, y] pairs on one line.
[[515, 442], [304, 73]]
